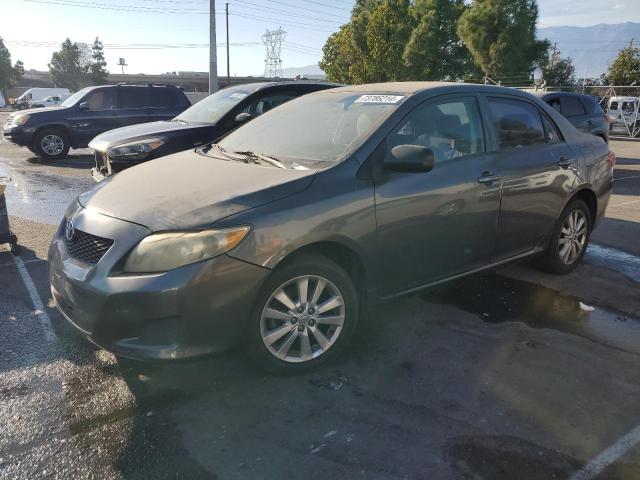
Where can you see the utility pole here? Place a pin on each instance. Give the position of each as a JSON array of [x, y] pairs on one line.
[[213, 63], [228, 74], [631, 43]]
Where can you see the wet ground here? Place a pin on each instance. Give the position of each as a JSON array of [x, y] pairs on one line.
[[512, 374]]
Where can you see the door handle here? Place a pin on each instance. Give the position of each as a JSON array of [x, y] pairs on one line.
[[565, 162], [488, 177]]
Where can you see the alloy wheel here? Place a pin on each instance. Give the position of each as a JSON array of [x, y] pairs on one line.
[[302, 319], [52, 144], [573, 237]]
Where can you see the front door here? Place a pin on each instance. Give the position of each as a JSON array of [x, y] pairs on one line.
[[100, 115], [436, 224], [538, 172]]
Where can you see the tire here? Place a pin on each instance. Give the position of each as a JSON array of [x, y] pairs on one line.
[[286, 350], [51, 143], [559, 261]]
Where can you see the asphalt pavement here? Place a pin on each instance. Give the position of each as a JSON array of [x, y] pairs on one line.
[[510, 374]]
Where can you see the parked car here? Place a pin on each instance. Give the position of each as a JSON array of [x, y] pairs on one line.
[[34, 96], [51, 101], [622, 112], [201, 123], [281, 232], [51, 132], [583, 111]]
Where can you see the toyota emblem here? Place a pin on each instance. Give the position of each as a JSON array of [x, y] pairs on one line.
[[69, 230]]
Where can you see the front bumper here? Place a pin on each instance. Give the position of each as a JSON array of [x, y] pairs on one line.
[[18, 135], [189, 311]]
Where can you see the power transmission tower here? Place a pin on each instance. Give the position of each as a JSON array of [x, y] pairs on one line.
[[273, 41]]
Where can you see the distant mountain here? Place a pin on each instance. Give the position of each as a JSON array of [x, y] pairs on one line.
[[310, 71], [592, 48]]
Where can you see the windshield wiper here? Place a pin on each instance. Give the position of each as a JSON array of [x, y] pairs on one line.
[[260, 156]]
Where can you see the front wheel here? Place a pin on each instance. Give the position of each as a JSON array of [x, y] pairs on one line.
[[569, 240], [52, 144], [306, 313]]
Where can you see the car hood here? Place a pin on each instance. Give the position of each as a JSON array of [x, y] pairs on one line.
[[141, 131], [189, 190], [43, 112]]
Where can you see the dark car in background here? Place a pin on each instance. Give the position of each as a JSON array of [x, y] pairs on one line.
[[204, 122], [583, 111], [51, 132], [280, 233]]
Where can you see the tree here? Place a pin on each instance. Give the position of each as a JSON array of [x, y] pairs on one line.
[[97, 71], [434, 50], [66, 67], [9, 75], [625, 68], [558, 71], [500, 34], [388, 29], [340, 59]]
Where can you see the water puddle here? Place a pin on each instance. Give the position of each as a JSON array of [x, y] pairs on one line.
[[41, 198], [496, 298], [614, 259]]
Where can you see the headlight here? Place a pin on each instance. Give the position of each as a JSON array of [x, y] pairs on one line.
[[19, 119], [165, 251], [137, 150]]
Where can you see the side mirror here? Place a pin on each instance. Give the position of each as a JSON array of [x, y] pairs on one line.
[[410, 158], [83, 106], [243, 117]]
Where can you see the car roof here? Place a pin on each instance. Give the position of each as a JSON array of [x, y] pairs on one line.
[[255, 86]]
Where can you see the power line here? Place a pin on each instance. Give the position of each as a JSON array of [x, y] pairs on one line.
[[326, 5], [322, 28], [255, 6], [341, 17], [117, 7]]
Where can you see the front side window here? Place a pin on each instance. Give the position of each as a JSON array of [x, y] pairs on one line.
[[162, 97], [571, 107], [217, 105], [451, 128], [517, 123], [266, 102], [101, 99], [628, 107], [613, 106]]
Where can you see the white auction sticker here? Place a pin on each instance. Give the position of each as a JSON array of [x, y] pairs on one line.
[[379, 99]]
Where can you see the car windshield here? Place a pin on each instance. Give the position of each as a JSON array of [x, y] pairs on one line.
[[75, 97], [216, 106], [321, 127], [628, 107]]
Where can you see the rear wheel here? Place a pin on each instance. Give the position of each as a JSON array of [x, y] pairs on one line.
[[51, 143], [569, 240], [306, 313]]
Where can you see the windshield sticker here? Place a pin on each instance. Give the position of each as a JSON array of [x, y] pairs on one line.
[[379, 99], [239, 95]]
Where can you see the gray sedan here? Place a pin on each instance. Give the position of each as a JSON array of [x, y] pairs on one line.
[[278, 235]]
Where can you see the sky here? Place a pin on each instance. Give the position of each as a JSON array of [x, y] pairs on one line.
[[157, 36]]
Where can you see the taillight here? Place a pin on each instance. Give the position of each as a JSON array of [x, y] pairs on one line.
[[611, 158]]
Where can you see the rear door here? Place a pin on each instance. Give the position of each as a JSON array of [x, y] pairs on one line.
[[133, 101], [574, 111], [435, 224], [538, 170]]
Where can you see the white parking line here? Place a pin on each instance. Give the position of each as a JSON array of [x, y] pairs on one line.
[[610, 455], [38, 306], [626, 178]]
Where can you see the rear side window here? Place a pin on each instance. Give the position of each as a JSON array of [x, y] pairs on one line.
[[550, 130], [162, 97], [517, 123], [554, 103], [133, 97], [571, 107]]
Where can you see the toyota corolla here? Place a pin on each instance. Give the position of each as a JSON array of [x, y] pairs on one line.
[[278, 235]]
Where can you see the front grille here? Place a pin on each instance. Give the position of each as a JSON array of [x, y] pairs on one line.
[[87, 248], [102, 162]]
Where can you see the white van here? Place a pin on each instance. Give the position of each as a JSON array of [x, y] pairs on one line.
[[51, 101], [623, 111], [35, 96]]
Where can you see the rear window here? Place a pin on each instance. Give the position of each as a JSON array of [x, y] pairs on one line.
[[571, 107], [133, 97], [162, 97]]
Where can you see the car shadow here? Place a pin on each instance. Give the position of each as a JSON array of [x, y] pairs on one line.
[[83, 161]]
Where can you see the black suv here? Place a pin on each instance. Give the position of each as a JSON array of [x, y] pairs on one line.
[[583, 111], [51, 132], [204, 122]]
